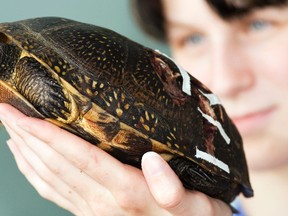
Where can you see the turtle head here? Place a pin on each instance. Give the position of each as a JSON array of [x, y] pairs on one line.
[[9, 56]]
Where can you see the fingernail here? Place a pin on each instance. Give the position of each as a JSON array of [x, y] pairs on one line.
[[152, 163]]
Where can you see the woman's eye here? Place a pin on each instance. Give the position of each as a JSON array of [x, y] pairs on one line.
[[194, 39], [259, 25]]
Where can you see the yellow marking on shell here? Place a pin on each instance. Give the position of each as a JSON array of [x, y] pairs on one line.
[[80, 79], [169, 138], [139, 104], [89, 92], [142, 120], [57, 69], [94, 83], [122, 97], [115, 95], [101, 86], [176, 145], [119, 112], [119, 105], [104, 146], [110, 99], [172, 135], [163, 149], [126, 106], [146, 127], [167, 157], [107, 103], [87, 79], [24, 54], [156, 121], [167, 101], [153, 130], [147, 116]]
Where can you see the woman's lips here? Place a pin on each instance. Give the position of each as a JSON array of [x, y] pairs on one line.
[[250, 122]]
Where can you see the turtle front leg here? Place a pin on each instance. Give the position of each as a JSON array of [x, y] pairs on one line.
[[45, 92]]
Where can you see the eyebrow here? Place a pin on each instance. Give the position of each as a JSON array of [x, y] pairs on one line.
[[180, 25]]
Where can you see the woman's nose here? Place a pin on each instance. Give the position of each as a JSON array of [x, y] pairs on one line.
[[231, 73]]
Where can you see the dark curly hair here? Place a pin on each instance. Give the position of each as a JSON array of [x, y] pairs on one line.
[[149, 13]]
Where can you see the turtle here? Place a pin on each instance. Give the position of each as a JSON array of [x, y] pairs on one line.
[[123, 97]]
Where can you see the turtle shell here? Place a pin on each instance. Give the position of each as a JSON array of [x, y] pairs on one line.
[[123, 97]]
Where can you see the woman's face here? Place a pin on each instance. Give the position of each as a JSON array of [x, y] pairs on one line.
[[243, 61]]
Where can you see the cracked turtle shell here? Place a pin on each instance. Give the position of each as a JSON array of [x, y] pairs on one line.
[[123, 97]]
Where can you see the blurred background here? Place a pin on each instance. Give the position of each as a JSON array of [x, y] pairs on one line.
[[17, 197]]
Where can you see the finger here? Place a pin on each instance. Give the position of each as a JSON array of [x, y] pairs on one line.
[[78, 154], [78, 185], [43, 172], [97, 164], [54, 168], [63, 169], [88, 158], [46, 132], [44, 189], [170, 194]]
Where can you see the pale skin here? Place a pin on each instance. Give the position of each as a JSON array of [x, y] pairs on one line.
[[241, 61]]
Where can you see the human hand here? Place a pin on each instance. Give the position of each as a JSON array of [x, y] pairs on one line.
[[87, 181]]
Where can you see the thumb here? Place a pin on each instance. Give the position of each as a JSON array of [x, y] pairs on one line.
[[169, 193], [164, 185]]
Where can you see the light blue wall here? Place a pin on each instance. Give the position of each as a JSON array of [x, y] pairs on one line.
[[17, 197]]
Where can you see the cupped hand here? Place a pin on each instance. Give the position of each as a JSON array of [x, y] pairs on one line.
[[86, 181]]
